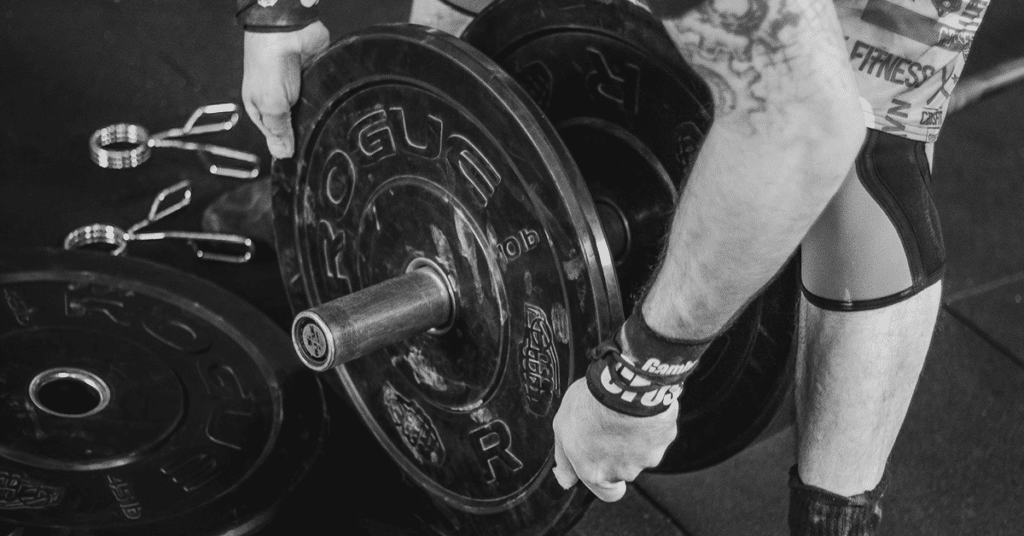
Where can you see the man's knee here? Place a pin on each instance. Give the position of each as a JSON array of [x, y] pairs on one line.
[[878, 242]]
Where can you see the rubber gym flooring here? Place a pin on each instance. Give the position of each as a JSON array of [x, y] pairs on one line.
[[69, 67]]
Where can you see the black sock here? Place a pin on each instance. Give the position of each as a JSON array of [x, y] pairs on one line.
[[817, 512]]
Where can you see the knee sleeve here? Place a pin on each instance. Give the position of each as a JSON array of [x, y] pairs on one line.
[[878, 242]]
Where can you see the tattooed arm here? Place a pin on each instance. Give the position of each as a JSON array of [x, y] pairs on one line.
[[787, 127]]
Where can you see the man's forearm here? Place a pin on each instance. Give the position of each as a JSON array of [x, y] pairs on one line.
[[787, 128]]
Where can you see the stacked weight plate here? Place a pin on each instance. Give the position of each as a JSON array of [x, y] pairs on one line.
[[136, 399]]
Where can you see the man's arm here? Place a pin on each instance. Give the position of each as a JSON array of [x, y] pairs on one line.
[[787, 127]]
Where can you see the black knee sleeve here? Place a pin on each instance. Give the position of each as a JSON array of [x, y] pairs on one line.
[[896, 173]]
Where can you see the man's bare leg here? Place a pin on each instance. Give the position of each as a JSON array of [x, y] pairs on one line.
[[439, 15], [856, 373]]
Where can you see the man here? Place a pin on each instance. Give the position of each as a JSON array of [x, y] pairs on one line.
[[794, 83]]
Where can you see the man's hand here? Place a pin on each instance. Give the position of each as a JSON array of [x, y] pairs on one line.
[[273, 64], [603, 448]]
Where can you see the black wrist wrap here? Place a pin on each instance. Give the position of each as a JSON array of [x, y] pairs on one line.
[[275, 15], [640, 372], [817, 512], [664, 9]]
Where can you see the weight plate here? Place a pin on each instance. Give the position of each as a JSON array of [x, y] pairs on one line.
[[630, 110], [634, 114], [412, 147], [136, 399]]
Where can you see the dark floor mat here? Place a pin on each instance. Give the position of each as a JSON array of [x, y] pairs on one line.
[[634, 515], [745, 495], [996, 312], [979, 163], [979, 192], [998, 38], [957, 465]]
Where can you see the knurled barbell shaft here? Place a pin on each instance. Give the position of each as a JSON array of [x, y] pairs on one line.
[[349, 327]]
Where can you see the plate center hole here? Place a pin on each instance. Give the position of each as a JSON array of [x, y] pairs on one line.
[[69, 392]]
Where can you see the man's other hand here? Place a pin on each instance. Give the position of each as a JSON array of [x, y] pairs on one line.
[[603, 448], [273, 64]]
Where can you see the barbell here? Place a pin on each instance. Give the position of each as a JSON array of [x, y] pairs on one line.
[[464, 219]]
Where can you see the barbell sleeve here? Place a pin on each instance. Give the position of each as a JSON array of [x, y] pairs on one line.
[[349, 327]]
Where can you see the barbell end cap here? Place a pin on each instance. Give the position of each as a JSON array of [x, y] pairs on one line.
[[313, 342]]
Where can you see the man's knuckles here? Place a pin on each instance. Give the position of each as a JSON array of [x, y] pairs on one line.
[[591, 474], [608, 491], [631, 473], [273, 106]]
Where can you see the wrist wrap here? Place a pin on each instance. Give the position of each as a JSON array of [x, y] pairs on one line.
[[817, 512], [664, 9], [640, 372], [275, 15]]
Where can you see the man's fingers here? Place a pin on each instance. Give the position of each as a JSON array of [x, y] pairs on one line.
[[278, 129], [275, 125], [607, 491], [629, 475], [564, 473], [281, 147], [253, 113], [270, 84]]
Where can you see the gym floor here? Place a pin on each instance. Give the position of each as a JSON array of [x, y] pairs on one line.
[[67, 68]]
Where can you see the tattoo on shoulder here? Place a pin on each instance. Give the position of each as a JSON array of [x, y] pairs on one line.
[[753, 53]]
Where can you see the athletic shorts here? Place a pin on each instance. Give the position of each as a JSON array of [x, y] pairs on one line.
[[907, 55]]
